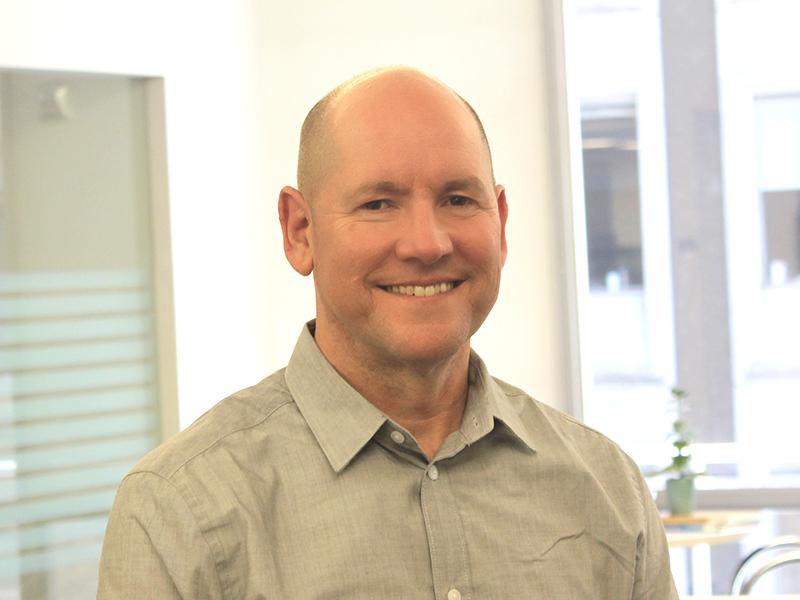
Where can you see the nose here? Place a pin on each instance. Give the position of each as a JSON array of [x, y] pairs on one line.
[[421, 236]]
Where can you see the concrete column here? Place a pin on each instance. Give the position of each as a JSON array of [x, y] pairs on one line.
[[702, 330]]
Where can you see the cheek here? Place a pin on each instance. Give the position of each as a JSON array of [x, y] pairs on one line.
[[481, 247], [351, 252]]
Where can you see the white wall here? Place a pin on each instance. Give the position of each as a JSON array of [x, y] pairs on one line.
[[239, 78]]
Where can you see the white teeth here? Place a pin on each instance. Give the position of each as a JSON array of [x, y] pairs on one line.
[[421, 290]]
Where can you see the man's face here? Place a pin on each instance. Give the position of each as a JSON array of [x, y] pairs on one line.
[[407, 230]]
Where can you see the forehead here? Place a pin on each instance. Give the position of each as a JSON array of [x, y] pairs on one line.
[[409, 120]]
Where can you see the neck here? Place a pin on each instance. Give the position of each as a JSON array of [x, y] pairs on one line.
[[426, 398], [430, 405]]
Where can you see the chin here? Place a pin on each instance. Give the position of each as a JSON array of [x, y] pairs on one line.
[[428, 345]]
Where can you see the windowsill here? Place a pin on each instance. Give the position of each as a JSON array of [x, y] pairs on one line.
[[774, 482], [738, 493]]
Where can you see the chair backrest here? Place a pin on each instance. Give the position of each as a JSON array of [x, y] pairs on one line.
[[780, 551]]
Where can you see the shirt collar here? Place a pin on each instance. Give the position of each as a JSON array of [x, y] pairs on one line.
[[488, 399], [343, 421]]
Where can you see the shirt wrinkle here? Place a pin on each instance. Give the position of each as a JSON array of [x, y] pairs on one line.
[[557, 541]]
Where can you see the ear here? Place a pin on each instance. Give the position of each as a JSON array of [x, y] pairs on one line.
[[502, 211], [295, 216]]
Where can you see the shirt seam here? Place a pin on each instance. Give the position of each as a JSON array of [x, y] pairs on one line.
[[218, 440], [645, 540], [219, 553]]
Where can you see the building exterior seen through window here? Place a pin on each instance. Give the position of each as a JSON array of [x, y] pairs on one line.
[[610, 165], [778, 170]]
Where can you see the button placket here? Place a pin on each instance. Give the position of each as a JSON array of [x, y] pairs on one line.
[[446, 543]]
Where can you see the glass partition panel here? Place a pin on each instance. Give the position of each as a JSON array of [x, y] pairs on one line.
[[79, 401]]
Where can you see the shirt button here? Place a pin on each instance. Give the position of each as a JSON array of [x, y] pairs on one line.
[[433, 474], [454, 594], [397, 437]]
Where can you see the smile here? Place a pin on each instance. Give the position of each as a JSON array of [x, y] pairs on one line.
[[421, 290]]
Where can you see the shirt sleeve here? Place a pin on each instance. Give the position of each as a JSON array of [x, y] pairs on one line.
[[153, 547], [653, 577]]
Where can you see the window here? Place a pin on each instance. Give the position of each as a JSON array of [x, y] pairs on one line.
[[777, 121], [81, 377], [611, 180], [691, 166]]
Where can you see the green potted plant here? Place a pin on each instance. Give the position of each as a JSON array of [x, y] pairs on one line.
[[681, 492]]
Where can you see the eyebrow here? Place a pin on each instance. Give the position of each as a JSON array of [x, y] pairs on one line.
[[378, 188], [391, 188], [467, 183]]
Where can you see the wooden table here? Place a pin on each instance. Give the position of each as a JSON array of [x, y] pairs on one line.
[[693, 536]]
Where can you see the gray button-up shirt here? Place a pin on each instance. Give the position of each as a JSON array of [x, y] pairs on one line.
[[298, 488]]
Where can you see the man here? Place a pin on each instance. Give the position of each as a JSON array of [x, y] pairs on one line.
[[384, 461]]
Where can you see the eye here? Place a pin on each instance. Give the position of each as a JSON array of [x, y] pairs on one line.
[[374, 205], [458, 200]]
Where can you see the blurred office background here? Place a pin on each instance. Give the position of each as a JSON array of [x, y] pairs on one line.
[[651, 158]]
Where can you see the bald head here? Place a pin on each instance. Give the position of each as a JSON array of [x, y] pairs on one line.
[[318, 147]]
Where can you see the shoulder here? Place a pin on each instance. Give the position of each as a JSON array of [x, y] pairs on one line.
[[555, 429], [246, 409], [593, 462]]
